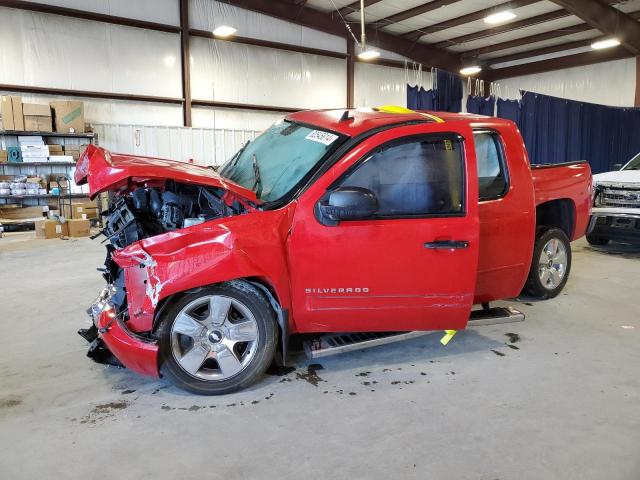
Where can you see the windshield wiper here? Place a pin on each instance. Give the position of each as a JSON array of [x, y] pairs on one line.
[[257, 186], [235, 158]]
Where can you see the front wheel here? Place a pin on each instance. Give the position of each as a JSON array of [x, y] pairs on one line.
[[217, 340], [550, 265]]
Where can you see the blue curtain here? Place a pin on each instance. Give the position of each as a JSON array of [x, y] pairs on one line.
[[509, 109], [558, 130], [448, 92], [420, 99], [446, 97], [481, 106]]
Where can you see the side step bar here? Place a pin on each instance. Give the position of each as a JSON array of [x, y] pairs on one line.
[[335, 343]]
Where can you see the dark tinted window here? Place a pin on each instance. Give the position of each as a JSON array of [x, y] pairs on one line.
[[420, 176], [491, 175]]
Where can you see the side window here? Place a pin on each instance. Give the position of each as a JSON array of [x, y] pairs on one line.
[[492, 177], [418, 176]]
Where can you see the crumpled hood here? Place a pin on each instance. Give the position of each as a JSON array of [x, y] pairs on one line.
[[618, 176], [104, 171]]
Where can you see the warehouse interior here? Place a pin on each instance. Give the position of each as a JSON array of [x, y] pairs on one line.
[[410, 227]]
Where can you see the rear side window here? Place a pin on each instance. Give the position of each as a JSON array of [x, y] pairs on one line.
[[492, 177], [417, 176]]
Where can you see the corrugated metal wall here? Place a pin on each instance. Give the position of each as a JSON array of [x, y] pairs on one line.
[[206, 146]]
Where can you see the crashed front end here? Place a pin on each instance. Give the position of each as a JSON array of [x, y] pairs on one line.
[[153, 198]]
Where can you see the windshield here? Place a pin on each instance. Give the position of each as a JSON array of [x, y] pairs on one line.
[[634, 164], [275, 162]]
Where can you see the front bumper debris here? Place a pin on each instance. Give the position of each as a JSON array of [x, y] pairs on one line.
[[624, 227], [113, 343]]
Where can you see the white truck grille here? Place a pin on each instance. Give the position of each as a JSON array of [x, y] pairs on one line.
[[621, 197]]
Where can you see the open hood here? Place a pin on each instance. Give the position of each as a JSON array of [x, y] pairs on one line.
[[104, 171]]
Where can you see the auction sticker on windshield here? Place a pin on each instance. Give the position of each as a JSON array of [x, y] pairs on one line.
[[322, 137]]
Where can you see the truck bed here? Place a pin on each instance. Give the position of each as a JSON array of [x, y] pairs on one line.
[[570, 181]]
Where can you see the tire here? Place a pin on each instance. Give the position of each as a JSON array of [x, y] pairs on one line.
[[218, 339], [548, 280], [597, 241]]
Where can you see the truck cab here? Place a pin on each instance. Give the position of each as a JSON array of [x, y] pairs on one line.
[[371, 220]]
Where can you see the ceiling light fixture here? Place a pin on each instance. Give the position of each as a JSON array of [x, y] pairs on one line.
[[224, 31], [607, 43], [470, 70], [365, 53], [369, 54], [499, 17]]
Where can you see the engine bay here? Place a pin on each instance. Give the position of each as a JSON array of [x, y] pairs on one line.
[[149, 211]]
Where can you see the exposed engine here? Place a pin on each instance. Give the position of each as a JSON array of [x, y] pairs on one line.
[[146, 212], [143, 213]]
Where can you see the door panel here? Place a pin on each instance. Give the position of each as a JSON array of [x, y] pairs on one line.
[[392, 272], [506, 219]]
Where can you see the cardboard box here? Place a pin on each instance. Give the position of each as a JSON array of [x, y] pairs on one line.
[[34, 123], [80, 211], [7, 113], [36, 109], [4, 156], [55, 149], [37, 117], [79, 227], [49, 228], [68, 116], [23, 213], [18, 119], [34, 150]]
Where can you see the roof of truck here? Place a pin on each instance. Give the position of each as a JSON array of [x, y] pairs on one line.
[[361, 120]]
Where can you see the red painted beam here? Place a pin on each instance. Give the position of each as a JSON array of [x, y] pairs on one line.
[[185, 62]]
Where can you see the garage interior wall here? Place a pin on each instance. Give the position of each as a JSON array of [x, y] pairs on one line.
[[609, 83], [54, 51]]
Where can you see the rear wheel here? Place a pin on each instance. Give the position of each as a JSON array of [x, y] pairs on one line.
[[217, 340], [597, 241], [551, 264]]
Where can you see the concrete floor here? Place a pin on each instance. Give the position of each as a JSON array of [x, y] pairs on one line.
[[562, 402]]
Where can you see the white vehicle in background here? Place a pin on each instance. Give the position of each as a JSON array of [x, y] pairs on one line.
[[616, 206]]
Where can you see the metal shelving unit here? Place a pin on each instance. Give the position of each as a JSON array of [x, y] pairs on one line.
[[9, 138]]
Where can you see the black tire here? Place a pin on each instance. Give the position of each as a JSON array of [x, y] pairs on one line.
[[597, 241], [263, 353], [534, 285]]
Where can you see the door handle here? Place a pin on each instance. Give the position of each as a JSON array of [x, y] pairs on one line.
[[447, 244]]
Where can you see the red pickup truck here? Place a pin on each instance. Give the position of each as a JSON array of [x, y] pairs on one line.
[[329, 221]]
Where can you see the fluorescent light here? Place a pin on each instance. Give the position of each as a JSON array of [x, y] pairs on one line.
[[471, 70], [224, 31], [499, 17], [608, 43], [169, 60], [368, 54]]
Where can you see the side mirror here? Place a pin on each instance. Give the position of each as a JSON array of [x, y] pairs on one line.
[[346, 203]]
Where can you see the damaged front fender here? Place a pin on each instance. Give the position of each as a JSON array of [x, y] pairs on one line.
[[244, 246]]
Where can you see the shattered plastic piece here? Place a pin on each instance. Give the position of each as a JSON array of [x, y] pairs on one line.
[[448, 336]]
